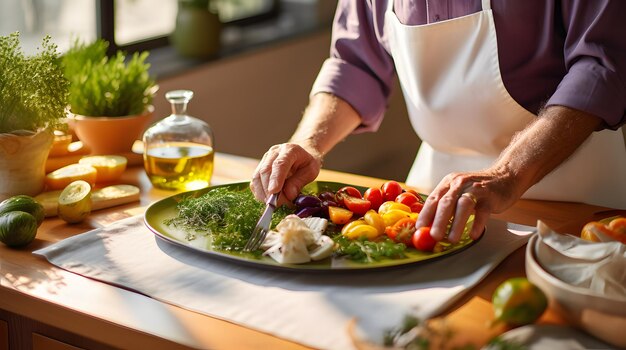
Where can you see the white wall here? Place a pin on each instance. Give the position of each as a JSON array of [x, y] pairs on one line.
[[254, 100]]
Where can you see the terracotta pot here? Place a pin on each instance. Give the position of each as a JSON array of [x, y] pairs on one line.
[[110, 135], [23, 158]]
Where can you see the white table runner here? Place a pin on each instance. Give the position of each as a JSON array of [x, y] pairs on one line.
[[309, 308]]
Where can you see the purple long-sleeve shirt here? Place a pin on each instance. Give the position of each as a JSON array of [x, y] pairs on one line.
[[570, 53]]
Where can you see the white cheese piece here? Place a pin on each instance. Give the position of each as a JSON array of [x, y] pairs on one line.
[[317, 225], [322, 249], [290, 241], [297, 241]]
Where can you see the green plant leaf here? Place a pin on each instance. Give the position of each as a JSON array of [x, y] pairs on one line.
[[107, 86], [33, 89]]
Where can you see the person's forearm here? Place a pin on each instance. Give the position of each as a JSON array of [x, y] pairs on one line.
[[327, 121], [543, 145]]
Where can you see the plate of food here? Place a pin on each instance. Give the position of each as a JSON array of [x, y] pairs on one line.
[[330, 227]]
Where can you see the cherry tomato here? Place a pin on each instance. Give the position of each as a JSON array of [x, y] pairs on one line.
[[392, 216], [422, 239], [352, 224], [359, 229], [402, 231], [410, 200], [390, 205], [356, 205], [414, 192], [348, 191], [391, 190], [417, 207], [374, 219], [375, 196], [339, 216]]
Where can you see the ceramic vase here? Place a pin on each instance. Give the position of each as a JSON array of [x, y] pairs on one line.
[[198, 30], [23, 156]]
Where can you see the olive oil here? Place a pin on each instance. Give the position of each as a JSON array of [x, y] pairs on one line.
[[178, 150], [179, 165]]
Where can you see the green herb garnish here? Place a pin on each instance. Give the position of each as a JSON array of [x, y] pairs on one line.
[[229, 216], [363, 250]]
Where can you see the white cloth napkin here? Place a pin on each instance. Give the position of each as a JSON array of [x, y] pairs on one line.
[[309, 308], [600, 267]]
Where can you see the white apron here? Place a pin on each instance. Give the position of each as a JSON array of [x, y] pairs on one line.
[[459, 107]]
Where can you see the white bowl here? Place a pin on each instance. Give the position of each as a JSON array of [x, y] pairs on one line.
[[601, 316]]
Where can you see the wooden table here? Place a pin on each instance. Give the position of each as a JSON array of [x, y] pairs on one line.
[[44, 307]]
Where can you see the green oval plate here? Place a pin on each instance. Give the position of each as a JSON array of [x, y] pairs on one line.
[[158, 212]]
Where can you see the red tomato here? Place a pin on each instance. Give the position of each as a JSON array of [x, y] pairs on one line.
[[417, 207], [348, 191], [422, 239], [339, 216], [402, 231], [375, 196], [391, 190], [356, 205], [410, 190], [407, 198]]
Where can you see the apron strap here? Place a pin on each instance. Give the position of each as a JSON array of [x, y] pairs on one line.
[[486, 5]]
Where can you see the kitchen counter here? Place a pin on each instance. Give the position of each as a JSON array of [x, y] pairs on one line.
[[44, 307]]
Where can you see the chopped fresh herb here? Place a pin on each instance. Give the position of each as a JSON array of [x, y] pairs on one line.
[[367, 251], [229, 216]]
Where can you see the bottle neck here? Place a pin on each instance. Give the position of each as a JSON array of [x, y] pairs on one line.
[[179, 108]]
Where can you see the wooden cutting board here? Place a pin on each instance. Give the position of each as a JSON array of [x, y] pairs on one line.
[[101, 198]]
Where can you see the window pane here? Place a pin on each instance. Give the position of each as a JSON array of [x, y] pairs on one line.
[[234, 10], [137, 20], [63, 20]]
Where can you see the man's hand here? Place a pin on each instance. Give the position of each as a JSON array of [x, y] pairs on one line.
[[459, 195], [286, 167], [290, 166], [531, 155]]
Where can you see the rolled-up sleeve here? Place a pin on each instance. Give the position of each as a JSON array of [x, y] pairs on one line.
[[595, 59], [359, 69]]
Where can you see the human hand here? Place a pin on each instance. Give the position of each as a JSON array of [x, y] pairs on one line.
[[459, 195], [286, 167]]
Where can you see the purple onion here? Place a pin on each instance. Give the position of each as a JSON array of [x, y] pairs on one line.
[[327, 196], [308, 211], [305, 201], [325, 205]]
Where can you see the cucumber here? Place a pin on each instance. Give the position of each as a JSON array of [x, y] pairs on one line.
[[17, 228], [23, 203]]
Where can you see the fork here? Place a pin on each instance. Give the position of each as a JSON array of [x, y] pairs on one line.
[[260, 230]]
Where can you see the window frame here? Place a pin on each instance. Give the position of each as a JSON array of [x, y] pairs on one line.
[[105, 22]]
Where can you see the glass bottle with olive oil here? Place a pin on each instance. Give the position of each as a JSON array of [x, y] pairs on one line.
[[178, 150]]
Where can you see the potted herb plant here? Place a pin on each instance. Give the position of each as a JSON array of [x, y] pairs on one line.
[[33, 100], [110, 98]]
